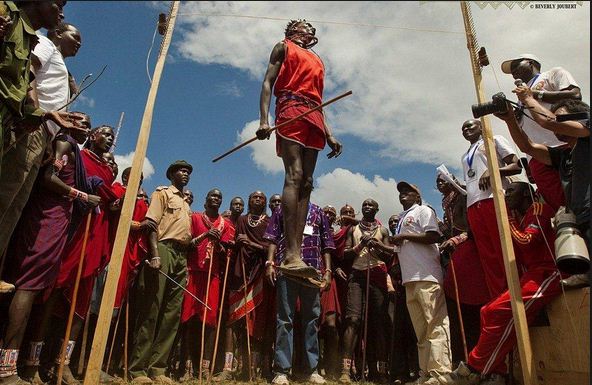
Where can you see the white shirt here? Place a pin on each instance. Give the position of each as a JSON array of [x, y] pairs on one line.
[[556, 79], [476, 153], [53, 89], [419, 262]]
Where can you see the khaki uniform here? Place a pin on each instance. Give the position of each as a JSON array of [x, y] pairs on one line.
[[20, 165], [158, 299]]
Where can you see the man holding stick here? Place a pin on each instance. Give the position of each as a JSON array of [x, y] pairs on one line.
[[297, 77], [159, 301]]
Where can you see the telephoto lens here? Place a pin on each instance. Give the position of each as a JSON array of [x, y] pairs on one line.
[[571, 253]]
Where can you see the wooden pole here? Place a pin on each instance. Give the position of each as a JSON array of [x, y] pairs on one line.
[[113, 341], [126, 336], [458, 309], [203, 321], [365, 339], [213, 365], [74, 299], [82, 356], [106, 310], [247, 319], [518, 312], [283, 124]]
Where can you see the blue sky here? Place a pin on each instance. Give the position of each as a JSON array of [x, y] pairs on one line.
[[412, 87]]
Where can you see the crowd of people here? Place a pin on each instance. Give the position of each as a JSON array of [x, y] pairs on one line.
[[298, 291]]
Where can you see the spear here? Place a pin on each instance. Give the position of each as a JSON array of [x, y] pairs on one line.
[[112, 149]]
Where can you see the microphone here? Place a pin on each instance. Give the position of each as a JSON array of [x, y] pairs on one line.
[[518, 82]]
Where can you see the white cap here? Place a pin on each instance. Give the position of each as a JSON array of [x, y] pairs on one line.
[[507, 65]]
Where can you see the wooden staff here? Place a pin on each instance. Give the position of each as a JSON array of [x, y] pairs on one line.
[[125, 341], [97, 353], [84, 342], [366, 321], [113, 341], [283, 124], [213, 365], [460, 319], [203, 323], [247, 319], [518, 312], [74, 299]]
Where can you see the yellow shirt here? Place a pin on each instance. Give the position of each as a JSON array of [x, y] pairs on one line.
[[367, 257], [172, 214]]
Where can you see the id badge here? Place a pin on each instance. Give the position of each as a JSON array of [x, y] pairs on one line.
[[308, 230]]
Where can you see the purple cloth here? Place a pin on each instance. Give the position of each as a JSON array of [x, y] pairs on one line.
[[313, 245]]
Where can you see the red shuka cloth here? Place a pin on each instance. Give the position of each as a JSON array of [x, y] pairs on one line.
[[98, 246], [198, 263], [136, 249]]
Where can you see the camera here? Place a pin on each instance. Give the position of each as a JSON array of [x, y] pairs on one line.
[[497, 105], [571, 253]]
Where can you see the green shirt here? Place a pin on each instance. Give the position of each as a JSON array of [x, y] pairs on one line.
[[15, 61]]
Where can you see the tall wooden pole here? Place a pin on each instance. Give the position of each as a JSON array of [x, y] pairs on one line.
[[104, 321], [520, 323]]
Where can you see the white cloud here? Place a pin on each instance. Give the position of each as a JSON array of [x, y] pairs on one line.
[[229, 89], [412, 89], [125, 161], [342, 186], [262, 151], [81, 102]]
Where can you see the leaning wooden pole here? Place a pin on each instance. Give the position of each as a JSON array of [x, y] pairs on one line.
[[520, 323], [106, 310]]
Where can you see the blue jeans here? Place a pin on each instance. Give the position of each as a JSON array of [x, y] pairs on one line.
[[310, 309]]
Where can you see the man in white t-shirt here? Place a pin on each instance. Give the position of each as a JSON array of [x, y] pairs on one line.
[[548, 87], [481, 211], [419, 257], [51, 74]]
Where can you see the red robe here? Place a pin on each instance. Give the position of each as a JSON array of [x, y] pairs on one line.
[[198, 264], [136, 249], [98, 247]]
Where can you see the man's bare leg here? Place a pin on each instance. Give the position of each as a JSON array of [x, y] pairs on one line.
[[294, 197]]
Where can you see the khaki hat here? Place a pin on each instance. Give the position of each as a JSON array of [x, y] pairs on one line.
[[177, 165], [507, 65], [408, 186]]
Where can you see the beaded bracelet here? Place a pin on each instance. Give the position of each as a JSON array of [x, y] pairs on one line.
[[77, 194]]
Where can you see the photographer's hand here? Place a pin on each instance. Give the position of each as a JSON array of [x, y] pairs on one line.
[[524, 93], [507, 116]]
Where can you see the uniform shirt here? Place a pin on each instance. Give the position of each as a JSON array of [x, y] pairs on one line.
[[14, 67], [479, 166], [419, 262], [317, 237], [172, 214], [556, 79], [51, 79]]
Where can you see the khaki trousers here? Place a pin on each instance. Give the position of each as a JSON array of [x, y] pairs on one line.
[[427, 308]]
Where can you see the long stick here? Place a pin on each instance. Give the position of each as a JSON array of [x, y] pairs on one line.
[[247, 320], [180, 286], [105, 313], [518, 312], [203, 323], [125, 341], [74, 299], [82, 356], [113, 340], [460, 319], [283, 124], [366, 322], [213, 365], [117, 130]]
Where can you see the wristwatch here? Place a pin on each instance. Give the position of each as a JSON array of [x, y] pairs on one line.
[[540, 95]]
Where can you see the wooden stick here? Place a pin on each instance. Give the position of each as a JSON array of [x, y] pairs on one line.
[[283, 124], [213, 365], [125, 341], [366, 322], [460, 319], [518, 312], [113, 341], [247, 320], [203, 323], [93, 370], [82, 356], [74, 299]]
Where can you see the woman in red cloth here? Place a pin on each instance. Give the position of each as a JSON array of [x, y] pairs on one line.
[[212, 234], [297, 75]]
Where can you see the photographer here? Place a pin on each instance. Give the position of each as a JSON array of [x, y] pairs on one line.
[[548, 87], [572, 162]]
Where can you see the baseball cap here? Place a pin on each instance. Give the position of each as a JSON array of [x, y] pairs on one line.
[[507, 65]]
